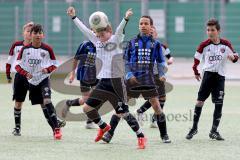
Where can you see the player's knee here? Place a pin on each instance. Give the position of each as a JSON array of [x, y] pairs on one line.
[[162, 99], [87, 108], [154, 101], [18, 105], [157, 109], [47, 101], [200, 103], [119, 115], [125, 115], [156, 106]]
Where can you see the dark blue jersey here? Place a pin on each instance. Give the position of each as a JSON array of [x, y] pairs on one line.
[[141, 54], [86, 54]]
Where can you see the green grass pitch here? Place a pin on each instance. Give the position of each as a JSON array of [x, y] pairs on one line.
[[36, 142]]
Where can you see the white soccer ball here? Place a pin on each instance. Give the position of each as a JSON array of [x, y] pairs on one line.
[[98, 20]]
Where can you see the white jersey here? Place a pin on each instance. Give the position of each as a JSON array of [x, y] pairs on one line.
[[13, 54], [110, 53], [214, 56], [32, 60], [165, 50]]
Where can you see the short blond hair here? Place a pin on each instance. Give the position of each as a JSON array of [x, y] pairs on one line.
[[107, 29], [29, 24]]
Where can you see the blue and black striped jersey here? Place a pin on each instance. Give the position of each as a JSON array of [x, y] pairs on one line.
[[141, 54], [86, 54]]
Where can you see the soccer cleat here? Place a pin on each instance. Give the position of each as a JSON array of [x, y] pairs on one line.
[[101, 133], [142, 142], [216, 135], [107, 137], [61, 123], [140, 118], [16, 132], [191, 133], [166, 139], [57, 134], [90, 125]]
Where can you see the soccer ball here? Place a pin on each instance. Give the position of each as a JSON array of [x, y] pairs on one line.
[[98, 20]]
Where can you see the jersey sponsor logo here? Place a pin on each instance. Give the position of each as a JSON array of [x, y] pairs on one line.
[[34, 62], [110, 46], [215, 58], [222, 50], [42, 54]]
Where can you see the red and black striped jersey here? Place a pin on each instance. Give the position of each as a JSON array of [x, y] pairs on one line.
[[214, 56], [32, 60]]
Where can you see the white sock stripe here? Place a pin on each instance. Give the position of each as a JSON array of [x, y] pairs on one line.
[[17, 112], [100, 122], [139, 131]]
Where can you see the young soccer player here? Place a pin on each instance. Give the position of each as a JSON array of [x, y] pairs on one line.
[[160, 84], [20, 86], [141, 54], [35, 62], [86, 74], [214, 52], [110, 76]]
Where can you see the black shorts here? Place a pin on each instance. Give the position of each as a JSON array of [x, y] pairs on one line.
[[147, 91], [160, 86], [112, 90], [86, 87], [212, 83], [20, 88], [39, 92]]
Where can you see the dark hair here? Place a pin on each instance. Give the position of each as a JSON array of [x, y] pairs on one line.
[[37, 28], [214, 22], [150, 18]]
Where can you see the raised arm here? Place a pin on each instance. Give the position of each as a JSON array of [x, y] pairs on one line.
[[86, 31], [121, 28]]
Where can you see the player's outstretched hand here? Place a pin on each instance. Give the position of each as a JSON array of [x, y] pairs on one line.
[[231, 57], [198, 77], [9, 79], [29, 76], [170, 61], [45, 71], [71, 12], [129, 13], [72, 76], [163, 79], [133, 80]]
